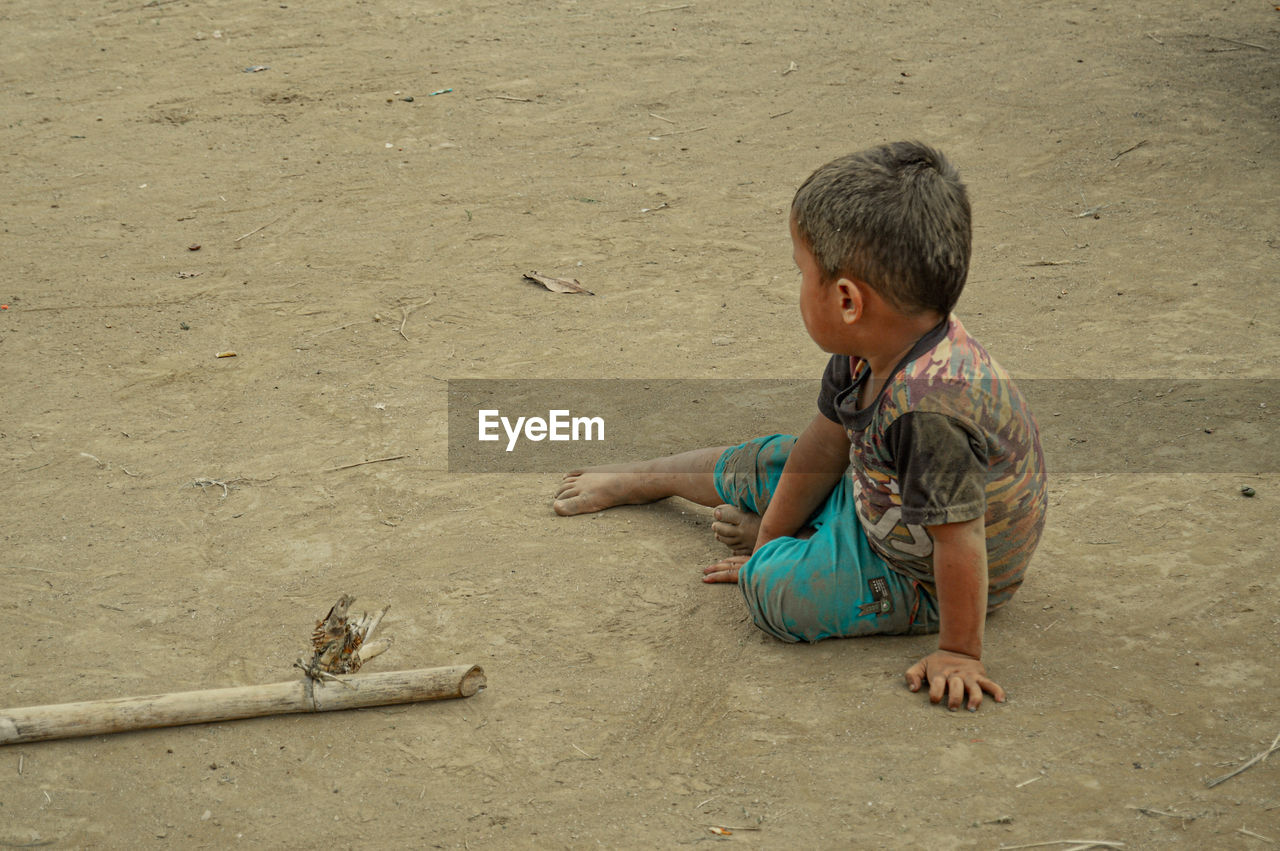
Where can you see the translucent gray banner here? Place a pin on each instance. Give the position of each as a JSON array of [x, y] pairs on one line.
[[1086, 425]]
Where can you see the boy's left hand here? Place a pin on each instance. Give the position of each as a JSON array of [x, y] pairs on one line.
[[725, 570], [952, 675]]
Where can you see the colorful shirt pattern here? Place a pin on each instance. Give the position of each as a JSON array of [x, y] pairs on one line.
[[948, 439]]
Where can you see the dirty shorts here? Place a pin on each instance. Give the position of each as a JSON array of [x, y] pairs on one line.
[[832, 585]]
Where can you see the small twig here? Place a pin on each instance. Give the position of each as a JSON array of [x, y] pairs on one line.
[[1248, 832], [255, 230], [667, 9], [1257, 758], [581, 751], [780, 114], [204, 482], [339, 328], [791, 67], [1149, 811], [1152, 36], [1128, 149], [404, 317], [505, 97], [660, 118], [358, 464], [373, 622], [1256, 836], [1054, 263], [1092, 211], [677, 133], [21, 757], [1243, 43], [1082, 843], [1029, 782]]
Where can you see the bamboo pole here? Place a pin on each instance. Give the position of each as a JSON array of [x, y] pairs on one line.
[[95, 717]]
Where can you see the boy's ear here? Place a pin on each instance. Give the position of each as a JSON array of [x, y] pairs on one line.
[[852, 300]]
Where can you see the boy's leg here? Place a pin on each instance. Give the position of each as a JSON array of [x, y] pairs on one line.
[[831, 585], [690, 475]]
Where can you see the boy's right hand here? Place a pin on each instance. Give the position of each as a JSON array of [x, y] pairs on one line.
[[952, 675]]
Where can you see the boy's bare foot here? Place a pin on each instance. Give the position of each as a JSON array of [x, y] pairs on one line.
[[689, 475], [736, 529], [598, 488]]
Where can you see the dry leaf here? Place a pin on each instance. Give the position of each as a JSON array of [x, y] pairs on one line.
[[558, 285]]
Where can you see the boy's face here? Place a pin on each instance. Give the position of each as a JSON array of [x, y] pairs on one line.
[[819, 300]]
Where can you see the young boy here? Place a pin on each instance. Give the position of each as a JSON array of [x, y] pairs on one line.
[[914, 499]]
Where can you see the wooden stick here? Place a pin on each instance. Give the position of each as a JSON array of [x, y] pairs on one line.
[[96, 717]]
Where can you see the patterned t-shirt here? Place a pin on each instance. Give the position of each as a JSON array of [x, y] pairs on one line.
[[949, 438]]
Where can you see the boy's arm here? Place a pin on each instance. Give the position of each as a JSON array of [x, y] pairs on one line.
[[816, 463], [960, 572]]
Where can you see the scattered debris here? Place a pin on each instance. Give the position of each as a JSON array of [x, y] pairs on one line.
[[792, 67], [558, 285], [441, 92], [341, 645], [255, 69], [227, 354], [1257, 758]]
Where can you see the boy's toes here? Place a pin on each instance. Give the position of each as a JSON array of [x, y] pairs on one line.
[[735, 528]]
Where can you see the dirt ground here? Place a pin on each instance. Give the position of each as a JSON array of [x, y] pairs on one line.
[[364, 207]]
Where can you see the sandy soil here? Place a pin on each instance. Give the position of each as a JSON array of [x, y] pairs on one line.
[[357, 249]]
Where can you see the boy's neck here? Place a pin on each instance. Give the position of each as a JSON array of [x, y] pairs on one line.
[[895, 337]]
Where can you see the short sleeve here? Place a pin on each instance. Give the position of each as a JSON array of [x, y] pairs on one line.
[[942, 469], [836, 381]]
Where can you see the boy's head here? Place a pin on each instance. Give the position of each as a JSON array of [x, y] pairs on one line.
[[895, 217]]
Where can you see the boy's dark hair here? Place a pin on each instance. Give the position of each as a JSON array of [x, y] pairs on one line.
[[896, 217]]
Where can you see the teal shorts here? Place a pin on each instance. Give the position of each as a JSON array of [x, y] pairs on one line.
[[830, 585]]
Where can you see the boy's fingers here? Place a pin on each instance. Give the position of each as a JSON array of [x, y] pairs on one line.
[[975, 695], [993, 688], [915, 676], [725, 570], [956, 689], [937, 689]]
